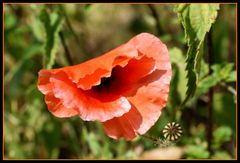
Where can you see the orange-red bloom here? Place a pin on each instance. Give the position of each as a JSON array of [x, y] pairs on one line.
[[125, 88]]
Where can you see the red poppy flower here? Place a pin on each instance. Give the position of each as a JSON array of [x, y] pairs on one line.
[[125, 88]]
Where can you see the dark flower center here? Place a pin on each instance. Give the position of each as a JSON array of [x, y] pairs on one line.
[[110, 88], [106, 83]]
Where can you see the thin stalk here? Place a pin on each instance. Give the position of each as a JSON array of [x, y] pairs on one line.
[[229, 88], [210, 94], [69, 24], [152, 139], [149, 137], [156, 17], [67, 53], [77, 39]]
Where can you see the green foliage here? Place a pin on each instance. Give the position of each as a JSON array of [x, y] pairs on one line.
[[196, 20], [232, 76], [9, 21], [221, 155], [178, 59], [178, 82], [87, 6], [196, 152], [221, 73], [225, 110], [222, 134], [93, 143], [52, 25], [223, 70], [28, 54]]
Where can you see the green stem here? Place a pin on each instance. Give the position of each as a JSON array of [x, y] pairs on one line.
[[78, 41], [69, 24], [156, 17], [149, 138], [67, 53]]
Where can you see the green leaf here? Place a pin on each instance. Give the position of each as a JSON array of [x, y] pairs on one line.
[[180, 7], [174, 100], [207, 83], [221, 72], [38, 29], [178, 82], [196, 20], [191, 73], [52, 24], [196, 152], [94, 144], [202, 16], [176, 56], [203, 69], [222, 134], [106, 151], [33, 50], [232, 76]]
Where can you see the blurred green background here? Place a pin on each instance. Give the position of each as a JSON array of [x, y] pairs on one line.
[[31, 131]]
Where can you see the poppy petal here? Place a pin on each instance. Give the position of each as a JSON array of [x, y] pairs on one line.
[[56, 107], [89, 108], [43, 81], [124, 126], [150, 99], [152, 47]]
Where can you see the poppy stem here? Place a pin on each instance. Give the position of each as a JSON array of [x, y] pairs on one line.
[[156, 141], [67, 53], [79, 40], [69, 24], [210, 93], [155, 15], [149, 137]]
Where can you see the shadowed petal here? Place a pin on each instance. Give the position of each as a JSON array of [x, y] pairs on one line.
[[148, 96], [124, 126], [89, 108]]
